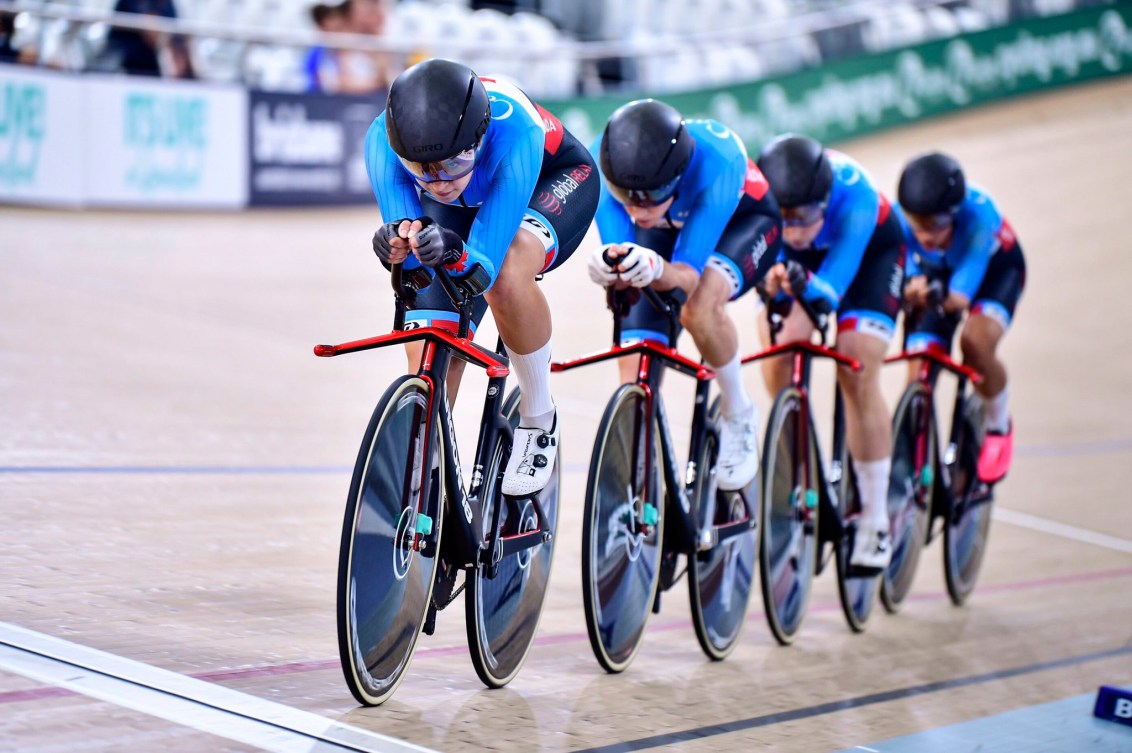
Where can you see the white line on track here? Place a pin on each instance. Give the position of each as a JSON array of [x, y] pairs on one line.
[[1044, 525], [184, 700]]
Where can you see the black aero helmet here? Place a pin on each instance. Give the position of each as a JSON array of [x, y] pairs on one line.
[[644, 151], [436, 110], [932, 183], [797, 169]]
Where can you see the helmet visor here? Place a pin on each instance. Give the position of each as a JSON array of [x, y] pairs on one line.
[[930, 222], [803, 215], [453, 168], [645, 197]]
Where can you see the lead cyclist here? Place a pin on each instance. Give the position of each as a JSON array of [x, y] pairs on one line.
[[469, 171]]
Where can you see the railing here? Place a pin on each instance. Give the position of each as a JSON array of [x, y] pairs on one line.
[[585, 53]]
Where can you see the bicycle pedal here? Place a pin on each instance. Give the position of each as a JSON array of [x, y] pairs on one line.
[[430, 622]]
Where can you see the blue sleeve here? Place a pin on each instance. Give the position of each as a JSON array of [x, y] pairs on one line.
[[853, 228], [613, 223], [396, 195], [978, 246], [513, 184], [710, 215]]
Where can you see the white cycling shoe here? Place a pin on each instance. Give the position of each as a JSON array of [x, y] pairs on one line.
[[738, 460], [872, 547], [531, 464]]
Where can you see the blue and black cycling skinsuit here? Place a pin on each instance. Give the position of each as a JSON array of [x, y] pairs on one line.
[[857, 259], [724, 216], [983, 262], [530, 173]]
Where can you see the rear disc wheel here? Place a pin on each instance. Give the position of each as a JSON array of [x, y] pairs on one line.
[[502, 611]]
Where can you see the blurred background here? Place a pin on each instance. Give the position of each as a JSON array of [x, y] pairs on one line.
[[556, 48]]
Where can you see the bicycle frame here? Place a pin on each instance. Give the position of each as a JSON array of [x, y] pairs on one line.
[[802, 352], [932, 362], [471, 550], [655, 358]]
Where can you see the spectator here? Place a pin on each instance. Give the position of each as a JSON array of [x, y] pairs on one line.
[[8, 53], [364, 72], [149, 53], [322, 64]]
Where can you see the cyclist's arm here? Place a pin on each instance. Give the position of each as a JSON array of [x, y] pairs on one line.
[[709, 216], [395, 191], [613, 222], [513, 184], [852, 228], [978, 243]]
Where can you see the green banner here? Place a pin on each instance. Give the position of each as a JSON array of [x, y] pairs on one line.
[[863, 94]]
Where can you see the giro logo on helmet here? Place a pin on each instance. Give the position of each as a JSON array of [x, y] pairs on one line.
[[428, 148]]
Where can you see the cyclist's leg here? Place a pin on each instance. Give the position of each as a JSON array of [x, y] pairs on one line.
[[548, 235], [990, 317], [795, 326], [731, 271], [866, 322]]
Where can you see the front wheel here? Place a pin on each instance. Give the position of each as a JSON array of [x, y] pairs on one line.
[[789, 516], [720, 578], [390, 539], [502, 609], [910, 488], [622, 529], [969, 519]]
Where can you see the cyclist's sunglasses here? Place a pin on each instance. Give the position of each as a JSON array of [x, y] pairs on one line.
[[645, 198], [931, 222], [452, 168], [803, 215]]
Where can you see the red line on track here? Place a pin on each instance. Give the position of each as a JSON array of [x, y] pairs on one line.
[[438, 652]]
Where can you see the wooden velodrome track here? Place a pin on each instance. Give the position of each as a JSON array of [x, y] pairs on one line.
[[175, 461]]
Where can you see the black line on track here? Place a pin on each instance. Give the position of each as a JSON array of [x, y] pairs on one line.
[[700, 733]]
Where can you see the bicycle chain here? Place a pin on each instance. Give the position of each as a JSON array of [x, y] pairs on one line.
[[451, 598]]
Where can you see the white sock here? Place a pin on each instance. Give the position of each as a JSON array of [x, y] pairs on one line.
[[532, 372], [872, 481], [998, 415], [734, 399]]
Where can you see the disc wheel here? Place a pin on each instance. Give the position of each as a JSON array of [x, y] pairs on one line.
[[720, 579], [387, 559], [503, 609], [789, 517], [622, 530], [910, 488], [968, 522]]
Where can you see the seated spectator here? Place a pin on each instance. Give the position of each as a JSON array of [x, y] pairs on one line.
[[364, 72], [27, 52], [322, 65], [148, 53], [8, 53]]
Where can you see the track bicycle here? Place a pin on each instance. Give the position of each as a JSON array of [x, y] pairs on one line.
[[930, 491], [395, 569], [809, 515], [643, 515]]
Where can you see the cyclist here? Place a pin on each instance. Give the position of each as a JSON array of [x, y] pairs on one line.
[[471, 174], [954, 231], [684, 207], [842, 230]]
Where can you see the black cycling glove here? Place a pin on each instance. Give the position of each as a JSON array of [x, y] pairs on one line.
[[382, 241], [438, 245]]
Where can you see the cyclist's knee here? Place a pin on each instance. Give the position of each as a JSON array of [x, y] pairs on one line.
[[700, 312], [979, 339]]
